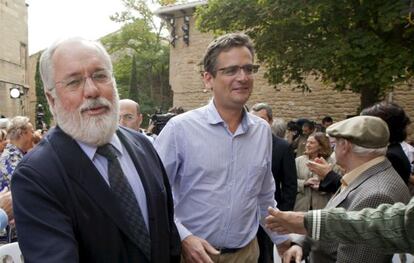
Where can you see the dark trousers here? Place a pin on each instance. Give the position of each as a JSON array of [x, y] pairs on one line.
[[265, 247]]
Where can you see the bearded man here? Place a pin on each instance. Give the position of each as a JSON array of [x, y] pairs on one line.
[[91, 191]]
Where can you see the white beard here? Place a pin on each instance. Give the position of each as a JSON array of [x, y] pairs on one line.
[[92, 130]]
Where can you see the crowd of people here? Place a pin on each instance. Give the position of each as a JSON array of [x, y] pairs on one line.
[[221, 183]]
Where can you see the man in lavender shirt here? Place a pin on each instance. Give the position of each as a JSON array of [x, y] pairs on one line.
[[218, 160]]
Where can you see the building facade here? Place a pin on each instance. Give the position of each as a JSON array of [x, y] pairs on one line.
[[187, 49], [14, 80]]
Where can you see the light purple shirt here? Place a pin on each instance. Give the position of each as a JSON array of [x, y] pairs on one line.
[[222, 183], [128, 167]]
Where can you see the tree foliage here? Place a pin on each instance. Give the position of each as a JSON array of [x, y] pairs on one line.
[[41, 98], [140, 44], [133, 81], [366, 46]]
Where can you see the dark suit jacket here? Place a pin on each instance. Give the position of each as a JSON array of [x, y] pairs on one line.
[[65, 211], [399, 160], [331, 182], [284, 173]]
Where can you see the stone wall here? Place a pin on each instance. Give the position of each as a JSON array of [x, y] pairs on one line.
[[287, 103], [13, 56]]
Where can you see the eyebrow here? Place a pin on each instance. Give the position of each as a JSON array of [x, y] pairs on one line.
[[75, 74]]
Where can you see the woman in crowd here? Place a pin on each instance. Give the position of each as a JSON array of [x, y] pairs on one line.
[[308, 196]]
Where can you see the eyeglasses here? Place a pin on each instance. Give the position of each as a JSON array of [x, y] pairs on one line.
[[126, 117], [248, 69], [100, 77]]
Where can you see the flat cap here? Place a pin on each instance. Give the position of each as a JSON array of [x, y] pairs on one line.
[[366, 131]]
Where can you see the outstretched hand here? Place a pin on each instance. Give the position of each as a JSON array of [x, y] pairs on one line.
[[285, 222]]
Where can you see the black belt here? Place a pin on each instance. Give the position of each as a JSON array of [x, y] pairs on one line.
[[226, 250]]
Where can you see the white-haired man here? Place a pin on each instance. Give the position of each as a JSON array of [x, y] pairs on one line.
[[91, 191]]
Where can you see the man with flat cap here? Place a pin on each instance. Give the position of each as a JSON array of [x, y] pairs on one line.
[[369, 180]]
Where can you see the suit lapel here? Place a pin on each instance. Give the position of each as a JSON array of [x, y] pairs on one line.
[[337, 198], [81, 170]]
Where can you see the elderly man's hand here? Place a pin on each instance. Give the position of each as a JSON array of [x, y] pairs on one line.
[[293, 254], [285, 222], [6, 203]]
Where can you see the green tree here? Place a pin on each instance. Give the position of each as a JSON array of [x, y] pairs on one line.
[[141, 38], [133, 82], [41, 98], [366, 46]]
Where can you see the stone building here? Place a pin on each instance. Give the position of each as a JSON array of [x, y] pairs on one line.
[[14, 79], [287, 103]]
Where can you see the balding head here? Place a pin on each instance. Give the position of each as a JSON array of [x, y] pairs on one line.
[[130, 114]]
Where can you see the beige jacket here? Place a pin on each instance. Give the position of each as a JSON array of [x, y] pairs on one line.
[[306, 197]]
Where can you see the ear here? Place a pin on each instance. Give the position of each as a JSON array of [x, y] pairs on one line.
[[51, 101], [208, 79], [347, 146], [140, 119]]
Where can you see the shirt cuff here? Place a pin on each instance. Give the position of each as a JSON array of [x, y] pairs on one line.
[[182, 230], [4, 219], [279, 239]]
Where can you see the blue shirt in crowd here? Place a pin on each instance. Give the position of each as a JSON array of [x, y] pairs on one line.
[[4, 219], [222, 182], [9, 160]]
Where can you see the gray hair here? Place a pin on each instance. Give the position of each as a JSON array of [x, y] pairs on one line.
[[222, 44], [279, 127], [46, 62], [18, 125], [263, 106], [359, 150]]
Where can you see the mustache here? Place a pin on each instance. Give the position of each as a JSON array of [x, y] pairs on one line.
[[95, 103]]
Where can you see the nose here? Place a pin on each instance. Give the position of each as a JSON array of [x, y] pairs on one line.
[[242, 75], [90, 90], [121, 121]]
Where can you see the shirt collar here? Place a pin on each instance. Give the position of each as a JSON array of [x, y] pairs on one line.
[[213, 117], [90, 150], [348, 178]]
